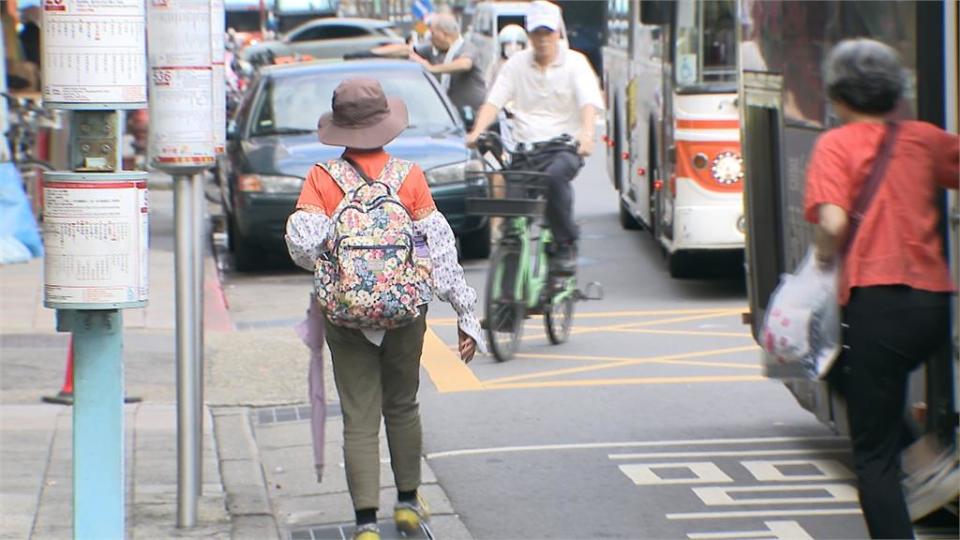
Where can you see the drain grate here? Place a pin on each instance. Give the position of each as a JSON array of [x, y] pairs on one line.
[[296, 413], [344, 531]]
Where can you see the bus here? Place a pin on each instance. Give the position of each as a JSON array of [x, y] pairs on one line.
[[672, 124], [783, 108]]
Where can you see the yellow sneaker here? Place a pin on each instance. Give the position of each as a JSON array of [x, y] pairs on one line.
[[409, 516], [369, 531]]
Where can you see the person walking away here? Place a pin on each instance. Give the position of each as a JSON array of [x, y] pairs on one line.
[[375, 323], [895, 285], [554, 92]]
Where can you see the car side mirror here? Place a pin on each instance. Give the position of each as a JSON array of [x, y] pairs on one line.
[[467, 114], [233, 132]]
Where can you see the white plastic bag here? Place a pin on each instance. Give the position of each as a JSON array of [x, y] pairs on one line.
[[801, 328]]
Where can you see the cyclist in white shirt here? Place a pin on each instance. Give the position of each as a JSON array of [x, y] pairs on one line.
[[554, 92]]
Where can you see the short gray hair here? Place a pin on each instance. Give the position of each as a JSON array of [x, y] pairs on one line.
[[865, 75], [445, 22]]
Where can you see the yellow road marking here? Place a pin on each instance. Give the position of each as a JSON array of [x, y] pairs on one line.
[[682, 332], [446, 370], [620, 362], [652, 360], [634, 325], [448, 321], [626, 381]]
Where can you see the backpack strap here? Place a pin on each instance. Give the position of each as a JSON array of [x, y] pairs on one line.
[[346, 177], [395, 172]]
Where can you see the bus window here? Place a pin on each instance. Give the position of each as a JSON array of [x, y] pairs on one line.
[[706, 47]]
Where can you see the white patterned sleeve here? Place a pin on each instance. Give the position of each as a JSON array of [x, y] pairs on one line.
[[307, 235], [448, 281]]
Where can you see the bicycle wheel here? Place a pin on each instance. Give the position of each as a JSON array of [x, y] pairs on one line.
[[558, 320], [504, 314]]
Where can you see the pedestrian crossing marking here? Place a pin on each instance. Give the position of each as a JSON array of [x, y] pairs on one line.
[[769, 471], [721, 496], [704, 472]]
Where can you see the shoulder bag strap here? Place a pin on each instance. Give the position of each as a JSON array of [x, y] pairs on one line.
[[871, 186]]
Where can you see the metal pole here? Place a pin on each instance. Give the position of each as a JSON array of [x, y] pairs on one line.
[[200, 230], [186, 290], [98, 475]]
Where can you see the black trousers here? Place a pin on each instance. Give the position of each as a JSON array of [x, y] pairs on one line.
[[562, 165], [891, 330]]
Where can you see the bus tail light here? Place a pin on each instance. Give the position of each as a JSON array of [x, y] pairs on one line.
[[641, 171], [673, 185], [625, 156], [715, 165], [657, 184]]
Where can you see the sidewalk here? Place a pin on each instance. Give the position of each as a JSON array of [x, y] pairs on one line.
[[259, 480]]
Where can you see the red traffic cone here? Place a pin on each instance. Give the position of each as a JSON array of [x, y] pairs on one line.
[[65, 396]]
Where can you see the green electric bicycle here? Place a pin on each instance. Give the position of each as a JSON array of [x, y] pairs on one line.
[[519, 281]]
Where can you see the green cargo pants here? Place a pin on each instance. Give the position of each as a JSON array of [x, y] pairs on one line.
[[372, 379]]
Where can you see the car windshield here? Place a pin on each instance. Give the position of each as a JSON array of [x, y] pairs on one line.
[[293, 104]]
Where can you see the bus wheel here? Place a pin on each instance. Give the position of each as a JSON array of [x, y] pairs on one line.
[[680, 265], [627, 221]]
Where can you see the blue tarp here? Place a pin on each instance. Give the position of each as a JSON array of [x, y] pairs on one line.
[[19, 234]]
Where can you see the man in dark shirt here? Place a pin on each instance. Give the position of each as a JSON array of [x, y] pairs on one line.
[[451, 59]]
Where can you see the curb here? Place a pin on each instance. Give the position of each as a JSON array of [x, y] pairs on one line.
[[248, 504]]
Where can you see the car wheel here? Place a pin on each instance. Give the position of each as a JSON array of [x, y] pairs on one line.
[[245, 256], [476, 245]]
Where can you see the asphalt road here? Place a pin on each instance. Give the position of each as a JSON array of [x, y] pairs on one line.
[[653, 421]]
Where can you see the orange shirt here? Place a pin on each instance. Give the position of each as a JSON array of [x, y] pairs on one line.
[[899, 241], [321, 193]]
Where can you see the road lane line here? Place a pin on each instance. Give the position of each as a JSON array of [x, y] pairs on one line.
[[722, 495], [704, 472], [765, 513], [627, 444], [619, 362], [731, 453], [446, 370], [625, 381], [682, 332], [778, 530], [645, 360], [640, 324]]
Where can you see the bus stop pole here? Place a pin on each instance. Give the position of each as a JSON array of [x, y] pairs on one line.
[[200, 235], [186, 314]]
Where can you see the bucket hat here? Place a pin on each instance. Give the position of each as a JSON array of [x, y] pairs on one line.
[[362, 116]]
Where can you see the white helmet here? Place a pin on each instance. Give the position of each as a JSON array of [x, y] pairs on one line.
[[512, 38]]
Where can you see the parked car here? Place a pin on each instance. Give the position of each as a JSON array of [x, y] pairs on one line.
[[324, 38], [272, 144]]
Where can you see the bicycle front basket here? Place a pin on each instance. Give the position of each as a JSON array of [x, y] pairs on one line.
[[484, 206]]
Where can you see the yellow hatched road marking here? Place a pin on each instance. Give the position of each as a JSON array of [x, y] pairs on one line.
[[621, 362], [580, 315], [641, 324], [448, 372], [626, 381]]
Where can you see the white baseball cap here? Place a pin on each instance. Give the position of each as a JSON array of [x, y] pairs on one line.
[[544, 14]]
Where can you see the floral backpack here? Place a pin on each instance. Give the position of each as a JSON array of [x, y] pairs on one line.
[[374, 275]]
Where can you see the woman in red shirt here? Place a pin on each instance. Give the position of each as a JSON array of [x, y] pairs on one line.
[[895, 284]]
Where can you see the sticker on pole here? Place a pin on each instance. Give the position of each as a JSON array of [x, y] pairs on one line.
[[94, 54], [182, 119], [95, 233], [181, 128]]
